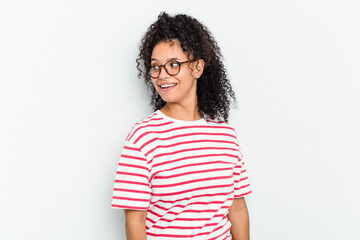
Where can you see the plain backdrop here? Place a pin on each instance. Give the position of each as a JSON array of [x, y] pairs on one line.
[[69, 95]]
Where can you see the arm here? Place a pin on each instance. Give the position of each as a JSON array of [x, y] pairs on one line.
[[135, 224], [239, 218]]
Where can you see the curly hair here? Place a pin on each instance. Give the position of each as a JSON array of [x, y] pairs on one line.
[[214, 92]]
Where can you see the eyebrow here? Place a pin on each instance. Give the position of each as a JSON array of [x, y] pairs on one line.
[[171, 59]]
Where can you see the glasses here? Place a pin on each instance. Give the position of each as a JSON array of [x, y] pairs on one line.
[[171, 67]]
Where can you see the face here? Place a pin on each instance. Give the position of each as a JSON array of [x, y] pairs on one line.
[[180, 88]]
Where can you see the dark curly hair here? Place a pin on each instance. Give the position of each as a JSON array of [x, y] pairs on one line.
[[214, 92]]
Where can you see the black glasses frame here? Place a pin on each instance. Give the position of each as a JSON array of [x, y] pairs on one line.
[[160, 66]]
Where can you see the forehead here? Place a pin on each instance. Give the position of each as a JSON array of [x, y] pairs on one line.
[[164, 51]]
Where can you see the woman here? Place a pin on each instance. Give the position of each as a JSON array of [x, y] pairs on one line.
[[181, 174]]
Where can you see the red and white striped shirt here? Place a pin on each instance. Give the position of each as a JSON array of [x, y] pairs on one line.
[[184, 173]]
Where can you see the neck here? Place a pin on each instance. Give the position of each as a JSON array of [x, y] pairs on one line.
[[186, 113]]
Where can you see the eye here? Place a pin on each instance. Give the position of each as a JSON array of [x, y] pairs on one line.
[[174, 64], [154, 67]]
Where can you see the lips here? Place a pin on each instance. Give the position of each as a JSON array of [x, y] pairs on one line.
[[167, 87]]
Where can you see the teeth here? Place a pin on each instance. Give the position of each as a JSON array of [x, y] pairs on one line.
[[168, 85]]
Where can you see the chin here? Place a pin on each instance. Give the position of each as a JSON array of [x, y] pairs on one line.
[[168, 99]]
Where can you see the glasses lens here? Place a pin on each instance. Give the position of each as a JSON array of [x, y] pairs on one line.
[[172, 67], [154, 71]]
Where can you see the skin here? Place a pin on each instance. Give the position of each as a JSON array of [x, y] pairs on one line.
[[181, 103], [135, 224], [239, 217]]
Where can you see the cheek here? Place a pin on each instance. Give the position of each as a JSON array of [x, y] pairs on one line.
[[154, 84], [186, 79]]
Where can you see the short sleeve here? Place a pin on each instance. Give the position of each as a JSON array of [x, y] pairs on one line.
[[131, 189], [241, 181]]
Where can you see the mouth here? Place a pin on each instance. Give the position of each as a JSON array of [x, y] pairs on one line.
[[167, 87]]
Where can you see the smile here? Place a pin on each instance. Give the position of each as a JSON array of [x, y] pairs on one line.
[[168, 85]]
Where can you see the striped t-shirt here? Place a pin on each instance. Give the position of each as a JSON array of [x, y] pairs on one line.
[[184, 173]]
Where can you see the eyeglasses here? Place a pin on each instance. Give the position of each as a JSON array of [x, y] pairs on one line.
[[171, 67]]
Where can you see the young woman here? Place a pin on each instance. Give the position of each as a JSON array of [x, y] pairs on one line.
[[181, 174]]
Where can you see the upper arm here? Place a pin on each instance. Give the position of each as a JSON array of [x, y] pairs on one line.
[[239, 217], [241, 182], [132, 188], [237, 206], [135, 224], [135, 216]]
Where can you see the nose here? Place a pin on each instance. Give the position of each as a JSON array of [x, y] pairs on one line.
[[163, 73]]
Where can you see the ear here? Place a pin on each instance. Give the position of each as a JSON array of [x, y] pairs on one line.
[[199, 68]]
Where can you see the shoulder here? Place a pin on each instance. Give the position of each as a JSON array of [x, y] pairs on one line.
[[140, 126], [221, 123], [230, 128]]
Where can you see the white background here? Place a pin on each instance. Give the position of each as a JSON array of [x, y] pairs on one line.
[[70, 93]]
